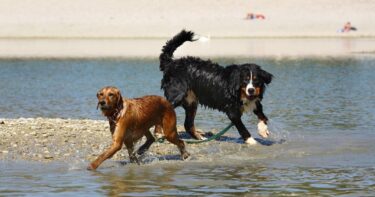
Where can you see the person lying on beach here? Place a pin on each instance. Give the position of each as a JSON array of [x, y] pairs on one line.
[[252, 16], [348, 27]]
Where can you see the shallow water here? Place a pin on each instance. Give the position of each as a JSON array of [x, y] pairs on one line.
[[321, 112]]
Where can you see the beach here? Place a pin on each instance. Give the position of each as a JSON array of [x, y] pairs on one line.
[[55, 55], [164, 18], [115, 29]]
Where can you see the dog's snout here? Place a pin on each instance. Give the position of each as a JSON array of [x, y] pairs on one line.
[[250, 91], [102, 102]]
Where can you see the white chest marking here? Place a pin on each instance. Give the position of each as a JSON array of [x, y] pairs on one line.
[[248, 106]]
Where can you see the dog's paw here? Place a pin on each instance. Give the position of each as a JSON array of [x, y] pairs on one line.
[[198, 135], [202, 138], [91, 167], [251, 141], [185, 155], [263, 130]]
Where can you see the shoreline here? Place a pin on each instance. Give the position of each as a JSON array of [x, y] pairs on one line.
[[91, 48]]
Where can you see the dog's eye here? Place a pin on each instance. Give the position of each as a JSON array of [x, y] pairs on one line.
[[257, 82], [110, 94], [100, 94]]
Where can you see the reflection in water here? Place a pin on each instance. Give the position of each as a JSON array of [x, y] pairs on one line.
[[247, 178], [196, 178]]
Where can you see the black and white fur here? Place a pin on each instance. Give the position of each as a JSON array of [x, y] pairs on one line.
[[234, 89]]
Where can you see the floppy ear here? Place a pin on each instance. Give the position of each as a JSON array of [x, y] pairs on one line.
[[234, 82], [119, 99], [266, 76], [97, 105]]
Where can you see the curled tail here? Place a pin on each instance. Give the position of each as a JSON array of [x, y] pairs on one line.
[[171, 45]]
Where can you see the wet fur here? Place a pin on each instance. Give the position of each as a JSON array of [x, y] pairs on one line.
[[131, 119], [190, 81]]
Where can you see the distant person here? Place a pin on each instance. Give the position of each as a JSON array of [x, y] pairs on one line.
[[348, 27], [252, 16]]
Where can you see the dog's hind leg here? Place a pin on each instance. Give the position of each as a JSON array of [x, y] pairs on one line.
[[170, 132], [158, 132], [190, 112], [175, 92], [149, 141], [130, 146]]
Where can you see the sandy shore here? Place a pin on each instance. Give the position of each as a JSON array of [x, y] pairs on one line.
[[137, 28], [163, 18], [46, 140]]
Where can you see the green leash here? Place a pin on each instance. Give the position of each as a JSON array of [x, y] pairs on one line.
[[217, 135]]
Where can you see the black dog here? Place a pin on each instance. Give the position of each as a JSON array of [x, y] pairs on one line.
[[234, 89]]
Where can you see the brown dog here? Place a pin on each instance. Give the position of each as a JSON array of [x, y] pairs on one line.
[[131, 119]]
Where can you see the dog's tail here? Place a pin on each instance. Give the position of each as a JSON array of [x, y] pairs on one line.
[[171, 45]]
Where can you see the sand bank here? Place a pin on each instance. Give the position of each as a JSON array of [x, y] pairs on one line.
[[42, 139]]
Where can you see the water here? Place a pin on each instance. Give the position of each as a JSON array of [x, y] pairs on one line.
[[321, 112]]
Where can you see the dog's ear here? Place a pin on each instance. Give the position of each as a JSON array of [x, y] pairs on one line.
[[97, 96], [266, 76], [235, 82], [119, 99]]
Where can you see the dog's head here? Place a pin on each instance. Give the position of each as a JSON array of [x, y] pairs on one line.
[[251, 80], [109, 100]]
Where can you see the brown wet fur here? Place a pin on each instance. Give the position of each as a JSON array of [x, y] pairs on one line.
[[131, 119]]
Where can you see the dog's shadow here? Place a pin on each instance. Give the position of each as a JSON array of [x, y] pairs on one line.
[[149, 158], [264, 142]]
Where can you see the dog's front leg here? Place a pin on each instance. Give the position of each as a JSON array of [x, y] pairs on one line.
[[262, 125], [235, 117], [117, 140]]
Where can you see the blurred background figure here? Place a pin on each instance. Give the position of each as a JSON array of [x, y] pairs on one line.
[[252, 16], [348, 27]]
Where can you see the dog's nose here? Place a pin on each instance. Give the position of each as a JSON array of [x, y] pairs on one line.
[[101, 102], [250, 91]]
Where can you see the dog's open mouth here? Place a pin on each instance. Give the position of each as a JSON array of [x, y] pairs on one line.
[[251, 97]]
